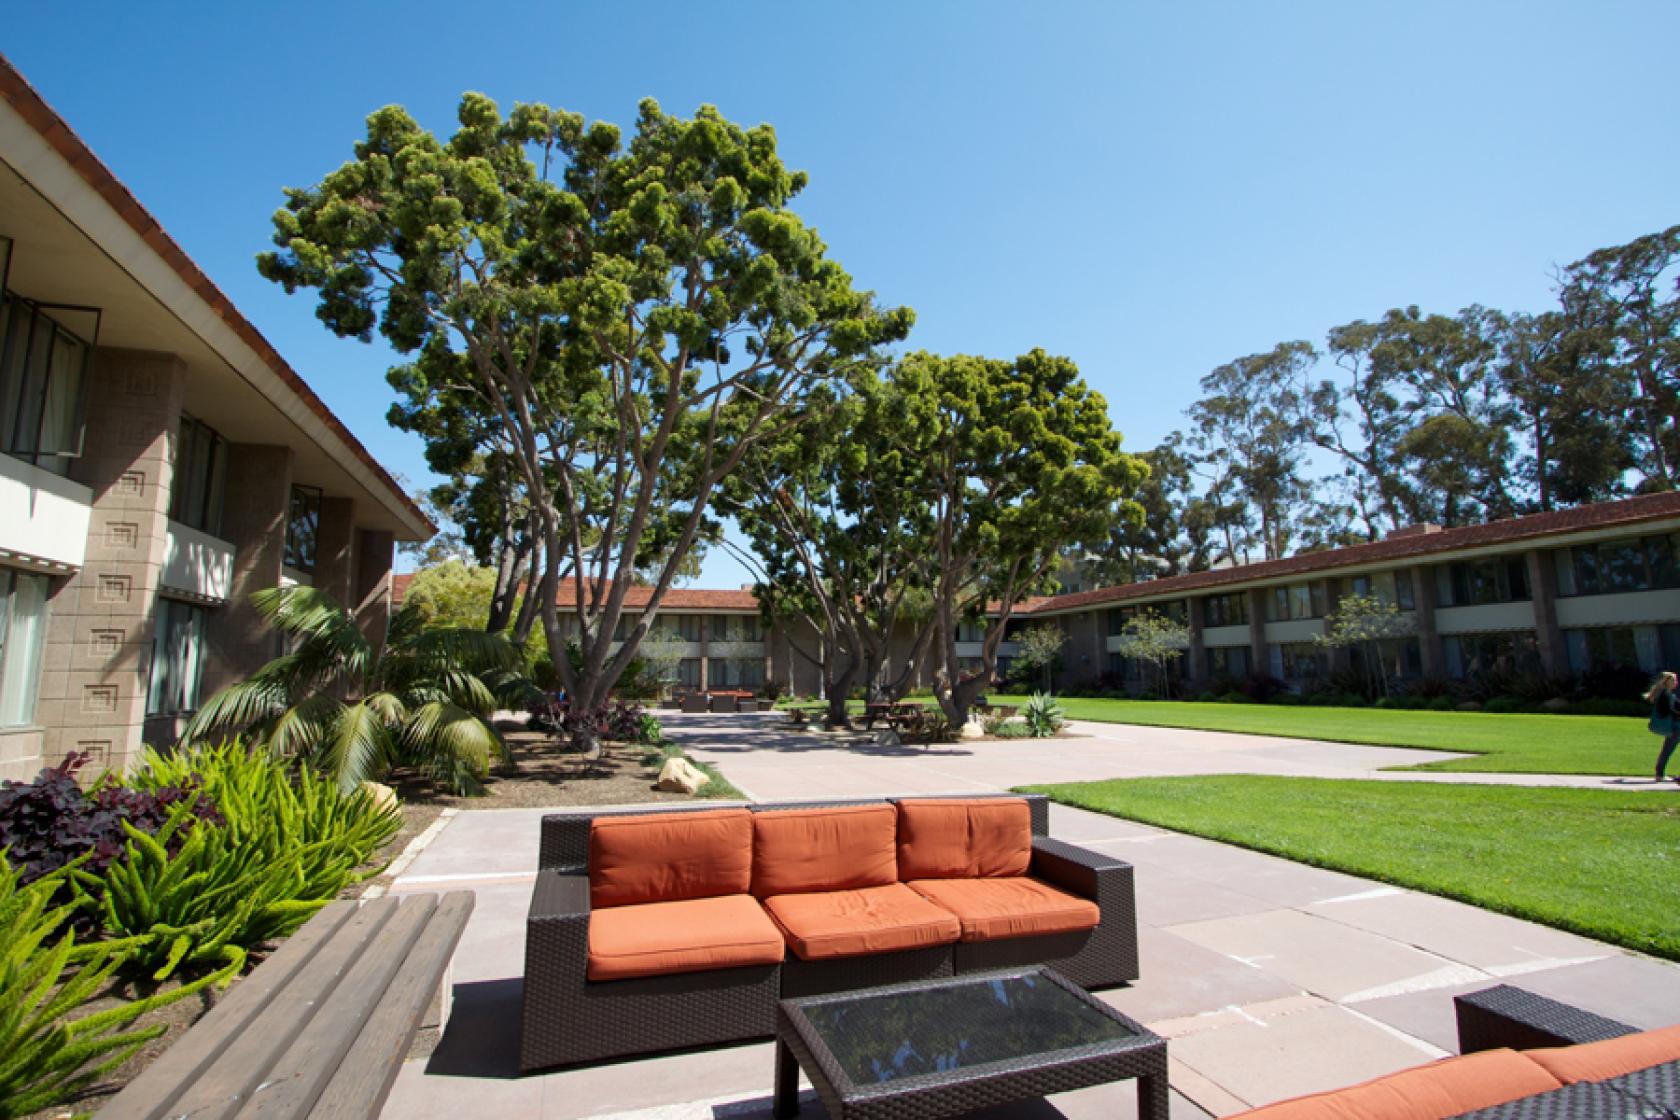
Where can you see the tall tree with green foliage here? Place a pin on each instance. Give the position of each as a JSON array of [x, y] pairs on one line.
[[1157, 640], [1371, 625], [1247, 427], [1020, 463], [1038, 653], [633, 317]]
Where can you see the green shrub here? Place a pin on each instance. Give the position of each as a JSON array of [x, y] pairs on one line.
[[1601, 707], [1207, 697], [1044, 717], [1324, 700], [1287, 699], [1439, 703], [46, 1057], [286, 849], [1013, 730], [1234, 697], [1503, 704]]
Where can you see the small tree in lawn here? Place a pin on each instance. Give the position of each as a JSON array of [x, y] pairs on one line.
[[662, 656], [1157, 639], [1040, 651], [1366, 622]]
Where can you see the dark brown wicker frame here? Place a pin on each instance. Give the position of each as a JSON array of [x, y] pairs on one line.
[[800, 1044], [568, 1019]]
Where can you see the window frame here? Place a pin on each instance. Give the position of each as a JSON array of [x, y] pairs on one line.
[[294, 558], [39, 312]]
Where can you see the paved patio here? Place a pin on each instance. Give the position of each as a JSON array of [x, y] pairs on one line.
[[1270, 978]]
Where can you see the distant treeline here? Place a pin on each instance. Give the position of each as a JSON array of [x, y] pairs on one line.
[[1452, 419]]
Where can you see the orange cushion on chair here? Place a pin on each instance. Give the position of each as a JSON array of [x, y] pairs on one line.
[[963, 838], [1599, 1061], [668, 857], [833, 849], [656, 938], [850, 923], [994, 909], [1429, 1092]]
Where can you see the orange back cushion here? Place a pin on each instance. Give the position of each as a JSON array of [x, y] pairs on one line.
[[668, 857], [1430, 1092], [796, 851], [964, 838], [1599, 1061]]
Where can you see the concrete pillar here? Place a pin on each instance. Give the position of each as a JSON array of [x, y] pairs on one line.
[[1259, 654], [705, 651], [98, 653], [335, 553], [254, 514], [1195, 668], [1542, 585], [375, 549], [1429, 639]]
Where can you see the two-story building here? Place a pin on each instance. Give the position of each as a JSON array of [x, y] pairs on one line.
[[159, 461]]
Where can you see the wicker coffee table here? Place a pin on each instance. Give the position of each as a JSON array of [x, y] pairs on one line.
[[947, 1046]]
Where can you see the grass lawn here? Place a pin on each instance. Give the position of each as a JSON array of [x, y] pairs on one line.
[[1598, 862], [1504, 743]]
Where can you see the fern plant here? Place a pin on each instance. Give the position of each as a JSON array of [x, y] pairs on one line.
[[47, 1057], [354, 708], [1044, 716]]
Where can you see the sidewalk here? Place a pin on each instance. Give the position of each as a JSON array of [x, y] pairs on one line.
[[1270, 978]]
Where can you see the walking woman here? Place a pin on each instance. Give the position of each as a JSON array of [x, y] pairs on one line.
[[1665, 718]]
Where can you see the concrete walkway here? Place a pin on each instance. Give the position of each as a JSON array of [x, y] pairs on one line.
[[768, 762], [1270, 978]]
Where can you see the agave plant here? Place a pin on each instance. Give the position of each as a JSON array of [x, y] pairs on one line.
[[354, 709]]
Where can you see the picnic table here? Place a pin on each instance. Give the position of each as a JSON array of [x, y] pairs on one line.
[[898, 716]]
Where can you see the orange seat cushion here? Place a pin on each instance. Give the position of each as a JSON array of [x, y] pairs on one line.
[[851, 923], [954, 838], [994, 909], [669, 857], [1599, 1061], [836, 849], [656, 938], [1429, 1092]]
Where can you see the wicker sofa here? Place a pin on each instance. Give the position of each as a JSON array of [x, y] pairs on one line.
[[656, 929], [1522, 1056]]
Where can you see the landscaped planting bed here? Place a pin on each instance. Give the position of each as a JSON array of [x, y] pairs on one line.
[[1598, 862]]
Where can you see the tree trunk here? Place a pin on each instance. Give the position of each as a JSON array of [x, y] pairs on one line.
[[527, 617]]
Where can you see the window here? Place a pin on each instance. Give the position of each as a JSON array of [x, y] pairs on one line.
[[303, 526], [23, 627], [1473, 583], [177, 658], [1470, 654], [1227, 661], [1643, 564], [1229, 609], [971, 631], [688, 672], [735, 672], [683, 626], [195, 498], [1388, 588], [1300, 661], [44, 350], [1622, 647], [734, 628], [1298, 601]]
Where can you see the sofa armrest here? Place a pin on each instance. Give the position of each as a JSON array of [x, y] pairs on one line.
[[559, 894], [1506, 1016], [1074, 869], [565, 840]]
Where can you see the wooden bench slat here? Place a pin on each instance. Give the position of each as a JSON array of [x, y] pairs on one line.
[[149, 1095], [226, 1086], [365, 1076], [296, 1078]]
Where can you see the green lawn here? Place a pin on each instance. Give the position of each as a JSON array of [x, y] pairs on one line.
[[1515, 743], [1598, 862]]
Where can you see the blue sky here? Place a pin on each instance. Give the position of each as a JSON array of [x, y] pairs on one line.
[[1150, 189]]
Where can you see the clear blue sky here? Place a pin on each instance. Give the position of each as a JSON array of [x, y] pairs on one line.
[[1152, 190]]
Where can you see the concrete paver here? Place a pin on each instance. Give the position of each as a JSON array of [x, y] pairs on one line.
[[1270, 978]]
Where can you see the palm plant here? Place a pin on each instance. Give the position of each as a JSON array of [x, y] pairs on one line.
[[354, 708]]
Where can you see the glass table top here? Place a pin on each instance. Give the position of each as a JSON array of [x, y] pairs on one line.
[[957, 1026]]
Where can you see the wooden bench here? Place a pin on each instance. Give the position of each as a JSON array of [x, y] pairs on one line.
[[318, 1030]]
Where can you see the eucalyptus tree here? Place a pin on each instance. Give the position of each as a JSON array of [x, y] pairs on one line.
[[632, 317], [1020, 463]]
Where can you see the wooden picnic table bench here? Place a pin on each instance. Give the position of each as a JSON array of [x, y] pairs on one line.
[[320, 1028]]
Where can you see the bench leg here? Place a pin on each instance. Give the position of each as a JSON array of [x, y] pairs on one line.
[[787, 1082]]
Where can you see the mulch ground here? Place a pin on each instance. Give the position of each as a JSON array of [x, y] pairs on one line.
[[543, 776]]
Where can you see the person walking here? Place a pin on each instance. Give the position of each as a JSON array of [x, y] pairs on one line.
[[1665, 718]]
